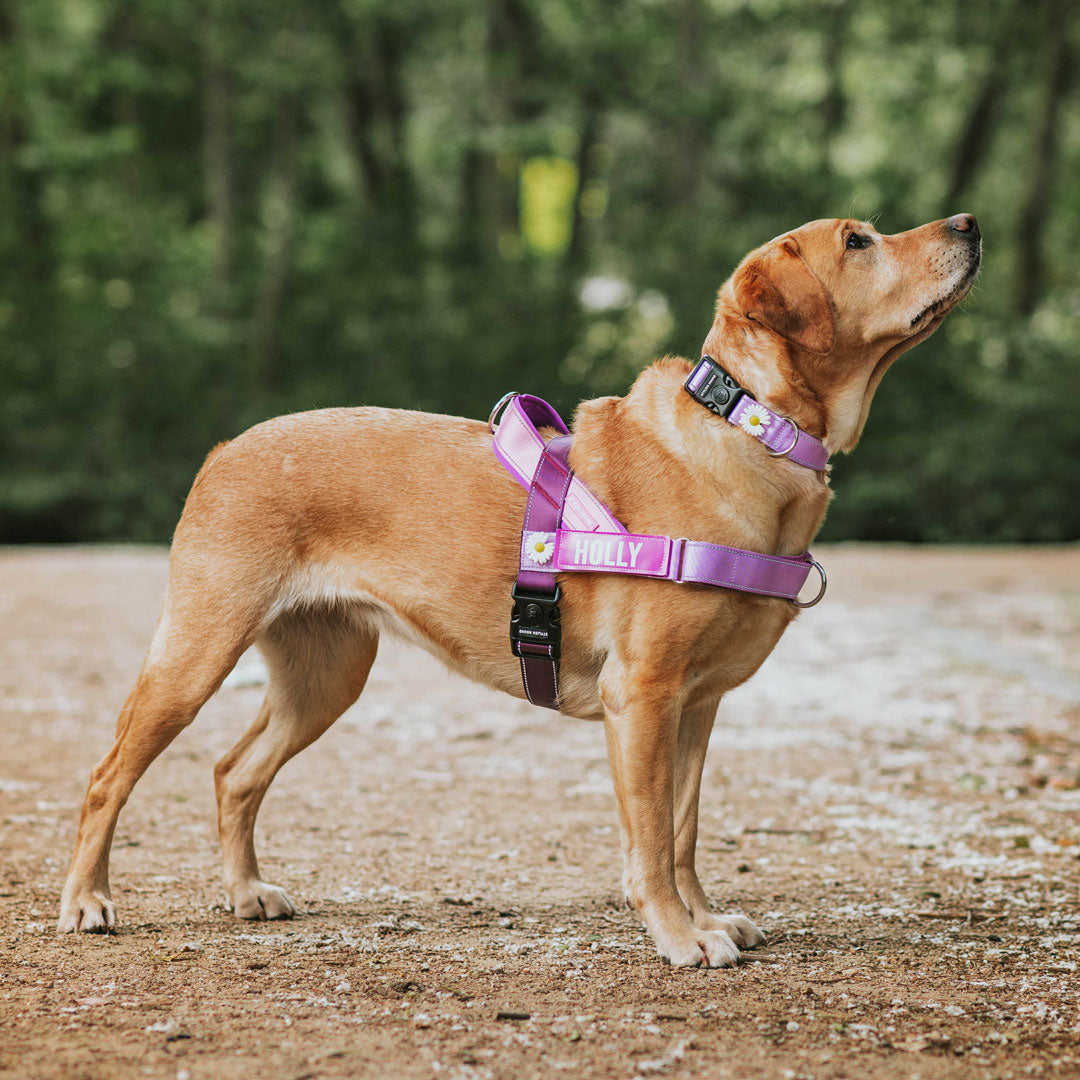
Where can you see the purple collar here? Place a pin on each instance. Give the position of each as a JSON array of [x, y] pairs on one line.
[[714, 388]]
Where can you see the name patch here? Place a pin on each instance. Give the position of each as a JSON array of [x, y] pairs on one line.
[[618, 553]]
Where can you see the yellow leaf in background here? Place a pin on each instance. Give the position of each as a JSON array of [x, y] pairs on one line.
[[548, 187]]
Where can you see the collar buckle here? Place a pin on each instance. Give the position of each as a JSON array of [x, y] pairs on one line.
[[711, 386]]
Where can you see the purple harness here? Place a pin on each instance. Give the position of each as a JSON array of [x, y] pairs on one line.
[[567, 529]]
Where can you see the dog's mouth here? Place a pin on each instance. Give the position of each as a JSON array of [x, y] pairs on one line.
[[932, 315], [924, 324]]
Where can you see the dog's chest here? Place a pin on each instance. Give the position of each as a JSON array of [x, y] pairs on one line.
[[731, 650]]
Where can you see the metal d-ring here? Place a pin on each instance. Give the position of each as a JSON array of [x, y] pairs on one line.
[[499, 406], [821, 592], [784, 453]]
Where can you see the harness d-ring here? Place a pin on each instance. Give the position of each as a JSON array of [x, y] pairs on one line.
[[784, 453], [499, 406], [821, 592]]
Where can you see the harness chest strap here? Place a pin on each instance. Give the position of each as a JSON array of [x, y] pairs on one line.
[[692, 562]]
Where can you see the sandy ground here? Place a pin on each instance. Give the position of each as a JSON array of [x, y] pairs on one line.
[[895, 799]]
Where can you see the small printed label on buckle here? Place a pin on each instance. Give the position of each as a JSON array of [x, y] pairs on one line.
[[535, 620], [713, 387], [613, 553]]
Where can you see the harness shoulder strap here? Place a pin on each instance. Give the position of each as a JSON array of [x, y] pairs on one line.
[[535, 627], [518, 446]]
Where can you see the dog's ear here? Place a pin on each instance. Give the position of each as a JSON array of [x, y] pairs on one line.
[[778, 290]]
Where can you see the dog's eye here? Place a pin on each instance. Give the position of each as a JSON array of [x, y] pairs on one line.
[[857, 240]]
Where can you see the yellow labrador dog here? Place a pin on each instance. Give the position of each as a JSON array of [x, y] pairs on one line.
[[311, 534]]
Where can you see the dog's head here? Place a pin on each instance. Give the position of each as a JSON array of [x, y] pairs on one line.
[[813, 319]]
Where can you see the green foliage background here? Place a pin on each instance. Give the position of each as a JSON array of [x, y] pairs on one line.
[[212, 211]]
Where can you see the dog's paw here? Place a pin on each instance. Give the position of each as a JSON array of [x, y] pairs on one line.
[[90, 912], [705, 948], [258, 900], [738, 927]]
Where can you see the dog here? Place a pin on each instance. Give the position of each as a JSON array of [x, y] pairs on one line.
[[311, 534]]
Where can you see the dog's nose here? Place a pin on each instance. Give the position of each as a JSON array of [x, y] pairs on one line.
[[965, 223]]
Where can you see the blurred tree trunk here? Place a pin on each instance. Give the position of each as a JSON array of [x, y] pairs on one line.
[[378, 112], [25, 235], [490, 181], [490, 193], [834, 104], [512, 47], [280, 216], [362, 120], [690, 136], [120, 39], [590, 124], [471, 243], [391, 46], [217, 159], [971, 148], [978, 128], [487, 211], [1035, 202]]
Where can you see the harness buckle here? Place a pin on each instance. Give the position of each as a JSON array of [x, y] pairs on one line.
[[716, 389], [535, 620]]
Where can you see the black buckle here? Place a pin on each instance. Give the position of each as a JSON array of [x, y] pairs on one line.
[[535, 620], [718, 391]]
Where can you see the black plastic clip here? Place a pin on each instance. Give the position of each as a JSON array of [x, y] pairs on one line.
[[717, 391], [535, 620]]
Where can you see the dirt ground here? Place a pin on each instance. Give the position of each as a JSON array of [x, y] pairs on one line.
[[894, 799]]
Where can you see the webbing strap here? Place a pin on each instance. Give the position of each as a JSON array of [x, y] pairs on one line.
[[535, 630]]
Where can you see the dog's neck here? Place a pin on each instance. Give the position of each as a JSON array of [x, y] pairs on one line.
[[730, 490], [775, 372], [763, 363]]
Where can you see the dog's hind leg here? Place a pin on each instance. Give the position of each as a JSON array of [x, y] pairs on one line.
[[201, 635], [319, 661], [695, 726]]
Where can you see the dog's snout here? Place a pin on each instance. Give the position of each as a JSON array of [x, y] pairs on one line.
[[965, 223]]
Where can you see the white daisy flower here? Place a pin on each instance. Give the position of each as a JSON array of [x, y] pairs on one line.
[[539, 547], [754, 420]]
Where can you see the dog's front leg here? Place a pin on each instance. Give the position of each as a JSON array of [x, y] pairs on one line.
[[695, 726], [642, 726]]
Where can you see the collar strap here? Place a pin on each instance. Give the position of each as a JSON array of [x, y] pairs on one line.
[[710, 385]]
